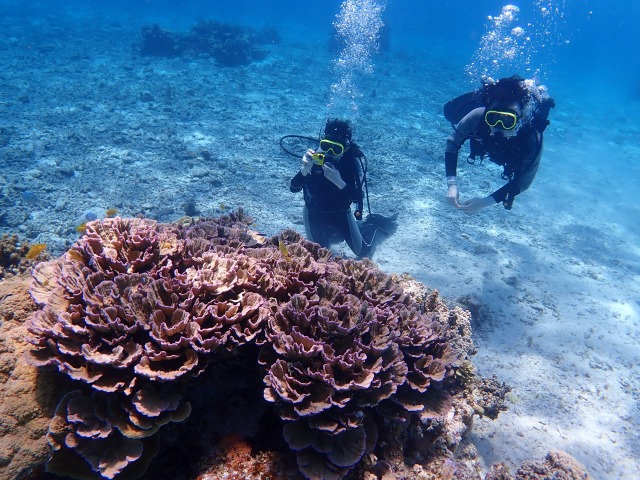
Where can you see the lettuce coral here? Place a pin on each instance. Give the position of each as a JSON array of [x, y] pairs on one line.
[[347, 349], [136, 310]]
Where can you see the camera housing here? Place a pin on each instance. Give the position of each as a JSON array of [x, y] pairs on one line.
[[318, 158]]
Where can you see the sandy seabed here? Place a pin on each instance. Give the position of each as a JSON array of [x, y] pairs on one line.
[[554, 285]]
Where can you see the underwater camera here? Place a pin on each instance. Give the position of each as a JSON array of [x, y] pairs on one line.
[[318, 158]]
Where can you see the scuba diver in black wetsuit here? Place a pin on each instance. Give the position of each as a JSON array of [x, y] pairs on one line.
[[505, 122], [331, 179]]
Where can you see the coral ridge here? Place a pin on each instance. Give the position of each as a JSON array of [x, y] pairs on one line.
[[136, 311]]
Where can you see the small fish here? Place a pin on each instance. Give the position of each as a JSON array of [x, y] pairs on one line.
[[35, 250], [76, 255], [258, 237], [223, 207], [283, 250], [82, 228], [111, 212]]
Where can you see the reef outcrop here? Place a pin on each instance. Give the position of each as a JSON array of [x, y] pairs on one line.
[[228, 44], [336, 369], [15, 258], [27, 399]]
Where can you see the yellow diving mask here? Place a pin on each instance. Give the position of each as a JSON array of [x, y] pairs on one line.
[[334, 148], [506, 119]]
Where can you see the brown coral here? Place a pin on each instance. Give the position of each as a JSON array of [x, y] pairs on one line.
[[349, 345], [107, 432], [237, 461], [365, 376], [124, 312], [557, 465], [27, 398], [136, 306]]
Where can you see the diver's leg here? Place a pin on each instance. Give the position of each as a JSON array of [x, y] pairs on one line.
[[526, 176], [315, 228], [305, 220], [349, 230], [526, 179]]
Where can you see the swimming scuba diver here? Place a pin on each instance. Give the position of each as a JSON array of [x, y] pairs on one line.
[[505, 121], [331, 178]]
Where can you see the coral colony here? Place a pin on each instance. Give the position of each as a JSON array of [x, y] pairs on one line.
[[229, 45], [137, 310]]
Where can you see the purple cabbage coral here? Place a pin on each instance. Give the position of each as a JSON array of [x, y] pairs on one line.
[[137, 309]]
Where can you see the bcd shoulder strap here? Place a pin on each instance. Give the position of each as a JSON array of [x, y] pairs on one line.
[[456, 109]]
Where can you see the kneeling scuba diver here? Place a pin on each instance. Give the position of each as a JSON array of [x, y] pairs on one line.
[[332, 176]]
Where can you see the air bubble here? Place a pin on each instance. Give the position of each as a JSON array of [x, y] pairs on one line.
[[506, 47], [358, 26]]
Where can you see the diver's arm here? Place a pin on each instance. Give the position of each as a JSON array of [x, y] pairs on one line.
[[461, 132], [450, 166], [464, 130], [476, 204], [508, 192], [332, 174], [306, 164], [297, 182]]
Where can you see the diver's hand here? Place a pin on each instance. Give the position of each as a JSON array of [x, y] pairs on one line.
[[453, 195], [307, 163], [476, 204], [333, 175]]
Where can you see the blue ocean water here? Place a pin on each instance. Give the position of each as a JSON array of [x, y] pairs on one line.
[[88, 123], [580, 45]]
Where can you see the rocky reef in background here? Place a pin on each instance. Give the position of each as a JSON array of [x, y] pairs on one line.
[[15, 258], [229, 45], [235, 356]]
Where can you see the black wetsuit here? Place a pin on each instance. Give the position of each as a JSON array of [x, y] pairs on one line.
[[327, 205], [519, 155]]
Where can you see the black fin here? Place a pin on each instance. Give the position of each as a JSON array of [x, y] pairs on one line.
[[374, 230]]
